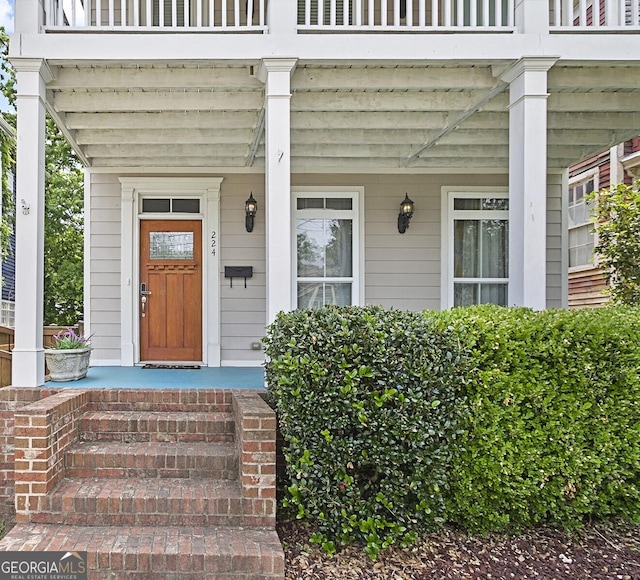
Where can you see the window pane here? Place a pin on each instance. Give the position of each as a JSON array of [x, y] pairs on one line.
[[462, 203], [498, 203], [493, 294], [466, 244], [339, 203], [171, 245], [310, 203], [339, 248], [156, 205], [324, 247], [186, 205], [310, 243], [494, 254], [465, 294], [319, 294]]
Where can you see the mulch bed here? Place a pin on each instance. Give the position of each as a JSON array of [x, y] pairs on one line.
[[597, 552]]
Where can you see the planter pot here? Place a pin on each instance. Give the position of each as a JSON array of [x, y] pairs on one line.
[[67, 364]]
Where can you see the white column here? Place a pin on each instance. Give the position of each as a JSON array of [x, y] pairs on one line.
[[528, 181], [276, 73], [29, 16], [28, 354], [128, 289], [532, 16]]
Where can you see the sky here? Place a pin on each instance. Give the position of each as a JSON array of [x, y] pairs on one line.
[[6, 20], [6, 15]]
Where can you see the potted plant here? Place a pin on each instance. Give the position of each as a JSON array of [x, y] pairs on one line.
[[68, 356]]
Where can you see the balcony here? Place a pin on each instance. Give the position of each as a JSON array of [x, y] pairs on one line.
[[331, 16]]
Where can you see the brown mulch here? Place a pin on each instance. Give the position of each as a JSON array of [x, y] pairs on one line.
[[597, 552]]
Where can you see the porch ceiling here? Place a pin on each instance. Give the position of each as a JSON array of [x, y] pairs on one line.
[[356, 118]]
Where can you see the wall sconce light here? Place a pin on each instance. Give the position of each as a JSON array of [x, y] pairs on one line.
[[406, 212], [250, 209]]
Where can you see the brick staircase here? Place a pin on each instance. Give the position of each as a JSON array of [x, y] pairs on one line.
[[153, 484]]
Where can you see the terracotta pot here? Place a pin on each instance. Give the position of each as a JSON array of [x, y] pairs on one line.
[[67, 364]]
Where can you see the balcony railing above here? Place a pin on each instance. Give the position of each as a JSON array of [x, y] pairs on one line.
[[403, 15], [322, 16], [595, 14], [219, 15]]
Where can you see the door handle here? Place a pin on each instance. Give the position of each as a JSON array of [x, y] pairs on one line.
[[143, 298]]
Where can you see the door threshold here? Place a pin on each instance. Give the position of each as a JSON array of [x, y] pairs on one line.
[[171, 365]]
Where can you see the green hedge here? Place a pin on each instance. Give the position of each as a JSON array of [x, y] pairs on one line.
[[553, 433], [366, 400], [490, 418]]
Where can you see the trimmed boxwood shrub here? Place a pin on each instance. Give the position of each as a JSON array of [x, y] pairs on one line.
[[553, 429], [368, 402]]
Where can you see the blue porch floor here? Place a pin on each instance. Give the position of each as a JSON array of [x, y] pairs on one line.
[[139, 378]]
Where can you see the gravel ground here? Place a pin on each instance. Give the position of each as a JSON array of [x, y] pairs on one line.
[[595, 553]]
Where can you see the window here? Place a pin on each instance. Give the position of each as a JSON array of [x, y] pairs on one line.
[[167, 205], [581, 236], [476, 249], [326, 249]]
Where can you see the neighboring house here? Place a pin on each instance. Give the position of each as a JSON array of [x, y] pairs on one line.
[[327, 113], [7, 261], [620, 164]]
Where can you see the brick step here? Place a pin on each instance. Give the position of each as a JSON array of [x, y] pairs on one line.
[[115, 459], [165, 400], [159, 553], [129, 426], [151, 502]]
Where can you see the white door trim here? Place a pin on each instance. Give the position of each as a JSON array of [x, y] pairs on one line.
[[208, 190]]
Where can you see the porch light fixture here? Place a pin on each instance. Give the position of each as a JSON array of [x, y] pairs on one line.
[[250, 209], [405, 215]]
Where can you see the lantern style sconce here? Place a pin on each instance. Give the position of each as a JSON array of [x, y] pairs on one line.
[[405, 215], [250, 209]]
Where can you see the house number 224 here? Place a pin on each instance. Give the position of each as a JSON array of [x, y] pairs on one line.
[[214, 243]]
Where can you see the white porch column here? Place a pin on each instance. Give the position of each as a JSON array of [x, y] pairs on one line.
[[532, 16], [28, 354], [528, 181], [276, 74]]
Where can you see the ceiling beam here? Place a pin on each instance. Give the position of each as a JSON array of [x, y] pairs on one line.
[[402, 78], [593, 102], [165, 150], [168, 161], [593, 77], [167, 120], [168, 77], [157, 101], [409, 101], [162, 135]]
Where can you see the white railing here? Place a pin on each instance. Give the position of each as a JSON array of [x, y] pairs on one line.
[[404, 15], [334, 15], [593, 14], [219, 15]]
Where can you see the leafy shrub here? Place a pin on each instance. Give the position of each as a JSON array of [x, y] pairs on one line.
[[553, 430], [617, 223], [368, 406]]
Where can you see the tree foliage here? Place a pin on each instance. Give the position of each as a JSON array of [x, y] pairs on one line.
[[64, 206], [617, 225]]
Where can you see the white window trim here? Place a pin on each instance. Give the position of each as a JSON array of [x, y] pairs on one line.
[[357, 213], [579, 178], [446, 233], [207, 189]]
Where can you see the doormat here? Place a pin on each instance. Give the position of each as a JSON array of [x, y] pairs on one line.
[[161, 366]]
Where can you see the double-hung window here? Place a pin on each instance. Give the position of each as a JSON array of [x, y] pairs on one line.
[[581, 235], [327, 245], [476, 248]]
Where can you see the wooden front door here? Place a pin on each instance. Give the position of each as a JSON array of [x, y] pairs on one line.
[[170, 293]]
